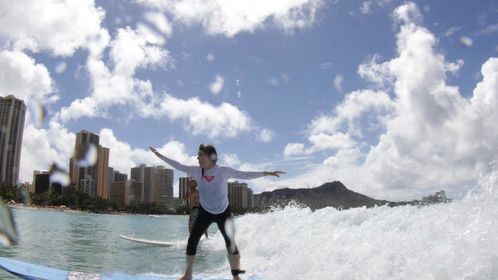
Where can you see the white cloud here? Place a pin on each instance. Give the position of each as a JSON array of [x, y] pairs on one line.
[[452, 30], [58, 26], [293, 149], [161, 22], [22, 77], [344, 157], [490, 29], [366, 7], [326, 65], [266, 135], [375, 72], [210, 57], [123, 157], [333, 141], [216, 86], [408, 13], [130, 50], [355, 105], [203, 118], [42, 147], [231, 17], [230, 160], [427, 136]]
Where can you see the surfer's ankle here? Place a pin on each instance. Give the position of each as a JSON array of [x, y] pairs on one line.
[[186, 277]]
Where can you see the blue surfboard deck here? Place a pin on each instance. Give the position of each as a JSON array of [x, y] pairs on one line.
[[30, 271]]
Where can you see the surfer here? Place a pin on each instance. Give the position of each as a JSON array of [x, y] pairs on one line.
[[193, 195], [214, 205]]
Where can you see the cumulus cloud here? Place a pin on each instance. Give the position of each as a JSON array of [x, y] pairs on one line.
[[293, 149], [117, 86], [123, 157], [423, 132], [203, 118], [130, 50], [216, 86], [231, 17], [22, 77], [43, 146], [230, 159], [266, 135], [408, 13], [59, 27]]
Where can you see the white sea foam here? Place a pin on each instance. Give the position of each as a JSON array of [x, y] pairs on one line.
[[457, 240]]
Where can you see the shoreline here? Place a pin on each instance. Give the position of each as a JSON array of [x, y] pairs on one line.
[[69, 210]]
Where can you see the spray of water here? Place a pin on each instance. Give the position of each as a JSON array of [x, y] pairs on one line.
[[457, 240]]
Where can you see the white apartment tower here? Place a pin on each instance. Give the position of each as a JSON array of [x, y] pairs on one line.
[[12, 113]]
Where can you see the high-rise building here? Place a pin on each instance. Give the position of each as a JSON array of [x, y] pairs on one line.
[[87, 185], [12, 112], [94, 161], [120, 177], [162, 187], [41, 181], [119, 192], [143, 174], [157, 184], [135, 191], [240, 196], [102, 172], [182, 187]]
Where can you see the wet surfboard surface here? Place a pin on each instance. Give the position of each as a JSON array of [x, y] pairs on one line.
[[30, 271], [147, 241]]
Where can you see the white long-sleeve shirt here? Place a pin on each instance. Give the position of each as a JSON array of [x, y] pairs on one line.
[[213, 188]]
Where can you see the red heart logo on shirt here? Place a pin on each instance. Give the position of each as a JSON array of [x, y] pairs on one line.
[[209, 178]]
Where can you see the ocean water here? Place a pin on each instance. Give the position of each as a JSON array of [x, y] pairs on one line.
[[457, 240]]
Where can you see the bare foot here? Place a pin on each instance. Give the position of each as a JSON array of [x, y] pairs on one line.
[[186, 277]]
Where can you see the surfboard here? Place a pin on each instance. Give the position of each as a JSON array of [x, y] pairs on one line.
[[146, 241], [30, 271]]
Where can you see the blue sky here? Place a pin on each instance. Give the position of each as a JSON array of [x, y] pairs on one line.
[[395, 99]]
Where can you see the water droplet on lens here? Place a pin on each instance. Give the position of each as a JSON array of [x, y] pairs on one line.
[[8, 232], [86, 155], [466, 41], [58, 175], [40, 113], [230, 231]]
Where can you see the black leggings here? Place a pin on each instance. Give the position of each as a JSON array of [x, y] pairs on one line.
[[202, 222]]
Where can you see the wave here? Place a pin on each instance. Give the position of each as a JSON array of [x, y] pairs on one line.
[[457, 240]]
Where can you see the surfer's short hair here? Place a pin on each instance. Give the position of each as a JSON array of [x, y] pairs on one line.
[[210, 151]]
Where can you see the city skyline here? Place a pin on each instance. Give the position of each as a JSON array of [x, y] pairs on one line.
[[386, 96]]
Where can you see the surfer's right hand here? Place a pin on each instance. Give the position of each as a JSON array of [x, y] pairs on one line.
[[154, 150]]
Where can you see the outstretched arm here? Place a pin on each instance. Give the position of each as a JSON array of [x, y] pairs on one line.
[[175, 164], [273, 173], [252, 174]]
